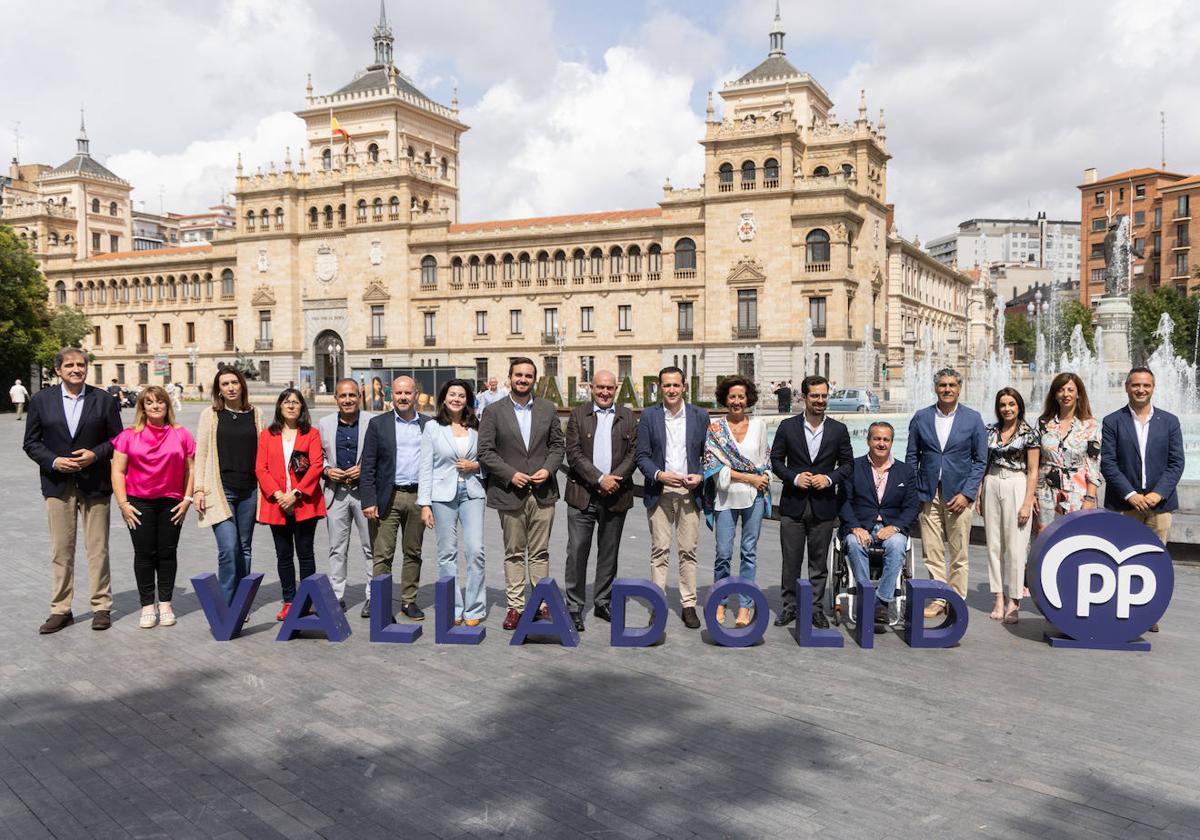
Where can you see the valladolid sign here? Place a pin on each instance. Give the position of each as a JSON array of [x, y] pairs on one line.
[[1101, 579]]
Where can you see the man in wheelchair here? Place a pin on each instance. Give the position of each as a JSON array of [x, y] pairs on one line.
[[880, 506]]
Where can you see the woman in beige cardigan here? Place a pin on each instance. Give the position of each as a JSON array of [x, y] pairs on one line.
[[226, 495]]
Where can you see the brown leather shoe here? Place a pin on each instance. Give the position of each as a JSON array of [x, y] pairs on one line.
[[101, 620], [1154, 627], [56, 622], [690, 619], [511, 619], [934, 609]]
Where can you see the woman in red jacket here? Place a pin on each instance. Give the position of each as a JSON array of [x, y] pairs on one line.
[[289, 474]]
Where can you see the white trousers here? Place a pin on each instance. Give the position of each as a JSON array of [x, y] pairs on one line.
[[1007, 542]]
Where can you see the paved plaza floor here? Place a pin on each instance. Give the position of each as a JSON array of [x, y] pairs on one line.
[[167, 733]]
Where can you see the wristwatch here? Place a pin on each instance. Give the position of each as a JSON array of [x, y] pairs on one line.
[[298, 495]]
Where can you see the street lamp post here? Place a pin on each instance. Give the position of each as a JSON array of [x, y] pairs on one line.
[[334, 350], [560, 341]]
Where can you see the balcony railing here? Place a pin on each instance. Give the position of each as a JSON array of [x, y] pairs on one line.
[[745, 332], [651, 276], [549, 338], [685, 335], [725, 186], [377, 341], [685, 273], [771, 183], [229, 346], [816, 267], [431, 341], [749, 185], [1181, 215], [263, 343], [818, 331], [141, 348]]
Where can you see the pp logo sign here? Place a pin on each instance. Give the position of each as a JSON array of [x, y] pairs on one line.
[[1102, 579]]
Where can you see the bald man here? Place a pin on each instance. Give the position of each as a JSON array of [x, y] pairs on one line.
[[391, 464]]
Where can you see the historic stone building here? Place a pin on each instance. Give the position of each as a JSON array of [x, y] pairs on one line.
[[352, 257]]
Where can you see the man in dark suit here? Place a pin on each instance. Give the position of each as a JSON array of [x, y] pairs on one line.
[[670, 445], [948, 450], [521, 447], [390, 468], [601, 440], [812, 455], [69, 433], [1141, 458], [880, 506]]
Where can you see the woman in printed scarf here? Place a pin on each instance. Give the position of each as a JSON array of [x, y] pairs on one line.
[[737, 458]]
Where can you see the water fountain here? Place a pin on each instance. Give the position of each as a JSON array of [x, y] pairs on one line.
[[1174, 378], [918, 376], [807, 345], [867, 357]]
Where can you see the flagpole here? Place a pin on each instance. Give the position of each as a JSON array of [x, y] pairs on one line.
[[331, 137]]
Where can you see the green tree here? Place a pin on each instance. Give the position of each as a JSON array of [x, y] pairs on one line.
[[23, 314], [1148, 308], [1020, 333], [67, 328], [1072, 313]]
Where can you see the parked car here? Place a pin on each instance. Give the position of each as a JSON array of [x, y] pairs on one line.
[[860, 400]]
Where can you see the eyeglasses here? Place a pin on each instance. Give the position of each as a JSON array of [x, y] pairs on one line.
[[291, 403]]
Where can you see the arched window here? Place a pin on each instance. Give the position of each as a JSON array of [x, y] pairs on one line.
[[327, 159], [428, 271], [171, 290], [328, 214], [265, 220], [524, 261], [52, 238], [250, 217], [489, 269], [394, 208], [124, 291], [341, 214], [102, 292], [445, 168], [373, 153], [208, 286], [91, 292], [161, 289], [821, 172], [412, 203], [685, 255], [509, 266], [112, 208], [456, 271], [816, 247], [748, 173], [616, 260], [597, 262], [360, 210], [377, 209], [770, 172], [543, 264], [725, 177], [312, 216], [425, 206], [227, 282], [278, 217], [654, 258], [67, 239], [79, 294], [60, 293], [428, 158], [95, 205], [196, 286], [850, 248], [578, 259], [560, 263], [137, 290], [635, 260], [183, 287], [473, 271], [847, 170], [411, 152]]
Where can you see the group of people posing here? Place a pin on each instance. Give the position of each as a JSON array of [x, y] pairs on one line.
[[387, 478]]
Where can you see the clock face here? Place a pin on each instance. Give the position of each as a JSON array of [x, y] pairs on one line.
[[326, 264]]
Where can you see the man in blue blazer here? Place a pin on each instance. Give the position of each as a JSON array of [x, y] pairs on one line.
[[880, 506], [69, 432], [390, 472], [812, 456], [947, 448], [1141, 458], [670, 446]]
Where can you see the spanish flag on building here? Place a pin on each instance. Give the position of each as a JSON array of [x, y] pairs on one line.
[[334, 128]]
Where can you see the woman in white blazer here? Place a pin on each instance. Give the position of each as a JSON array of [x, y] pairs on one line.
[[450, 491]]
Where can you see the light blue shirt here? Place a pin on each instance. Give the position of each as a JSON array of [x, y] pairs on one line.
[[408, 449], [524, 418], [486, 398], [602, 442], [73, 408]]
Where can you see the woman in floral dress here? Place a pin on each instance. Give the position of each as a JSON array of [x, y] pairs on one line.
[[1069, 467]]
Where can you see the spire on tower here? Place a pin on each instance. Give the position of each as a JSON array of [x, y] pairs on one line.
[[383, 38], [777, 34], [81, 142]]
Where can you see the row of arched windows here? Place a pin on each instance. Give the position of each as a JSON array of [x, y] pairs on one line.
[[112, 206], [373, 157], [593, 264], [170, 287], [749, 170], [823, 171]]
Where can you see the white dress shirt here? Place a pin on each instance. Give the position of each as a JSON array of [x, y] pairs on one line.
[[72, 408], [602, 442], [524, 415], [676, 455], [942, 424], [736, 495], [1143, 434], [813, 435]]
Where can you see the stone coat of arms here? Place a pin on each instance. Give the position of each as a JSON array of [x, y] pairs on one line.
[[326, 264], [747, 228]]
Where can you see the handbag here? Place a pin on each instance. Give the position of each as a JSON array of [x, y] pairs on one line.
[[299, 463]]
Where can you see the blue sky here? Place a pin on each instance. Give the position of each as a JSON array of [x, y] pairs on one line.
[[992, 109]]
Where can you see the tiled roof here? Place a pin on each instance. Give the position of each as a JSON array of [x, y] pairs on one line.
[[775, 67], [83, 165], [377, 79], [1186, 182], [1135, 173], [158, 252], [579, 218]]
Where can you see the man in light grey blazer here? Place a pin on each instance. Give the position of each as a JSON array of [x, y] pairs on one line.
[[342, 436], [521, 446]]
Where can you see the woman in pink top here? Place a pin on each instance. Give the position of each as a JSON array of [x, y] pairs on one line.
[[152, 474]]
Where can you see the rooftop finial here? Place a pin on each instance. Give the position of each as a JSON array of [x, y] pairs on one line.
[[383, 39], [454, 100], [81, 142], [777, 35], [709, 110]]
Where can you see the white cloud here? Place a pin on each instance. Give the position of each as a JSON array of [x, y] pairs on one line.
[[589, 140]]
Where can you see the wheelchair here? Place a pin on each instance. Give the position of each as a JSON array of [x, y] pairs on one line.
[[841, 591]]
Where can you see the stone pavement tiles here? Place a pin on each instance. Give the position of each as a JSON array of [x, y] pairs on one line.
[[166, 733]]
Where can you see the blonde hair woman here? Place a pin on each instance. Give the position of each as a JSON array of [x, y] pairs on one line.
[[152, 474]]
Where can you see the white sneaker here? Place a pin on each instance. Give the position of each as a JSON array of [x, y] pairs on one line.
[[166, 618], [148, 620]]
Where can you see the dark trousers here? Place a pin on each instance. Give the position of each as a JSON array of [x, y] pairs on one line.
[[294, 538], [795, 535], [580, 526], [155, 541]]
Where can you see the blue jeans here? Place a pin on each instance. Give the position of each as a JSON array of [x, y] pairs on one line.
[[446, 516], [234, 539], [751, 518], [893, 559]]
